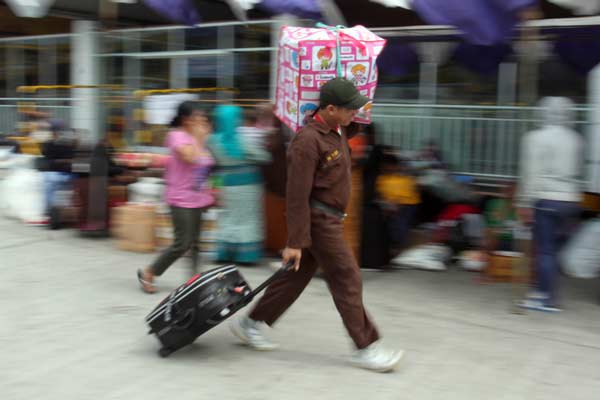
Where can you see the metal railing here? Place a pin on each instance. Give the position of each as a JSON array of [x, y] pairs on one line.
[[11, 117], [481, 141], [474, 140]]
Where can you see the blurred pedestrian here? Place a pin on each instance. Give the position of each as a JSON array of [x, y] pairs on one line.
[[241, 224], [58, 153], [550, 193], [274, 175], [375, 240], [187, 192], [251, 133], [318, 192], [399, 197]]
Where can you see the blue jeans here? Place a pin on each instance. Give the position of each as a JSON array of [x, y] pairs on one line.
[[54, 181], [401, 222], [553, 221]]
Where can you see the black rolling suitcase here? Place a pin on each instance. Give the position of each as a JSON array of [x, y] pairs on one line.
[[200, 304]]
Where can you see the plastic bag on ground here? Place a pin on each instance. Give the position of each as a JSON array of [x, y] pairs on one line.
[[22, 195], [581, 256], [430, 257]]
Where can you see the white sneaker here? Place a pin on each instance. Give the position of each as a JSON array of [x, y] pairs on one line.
[[376, 358], [250, 333], [536, 295]]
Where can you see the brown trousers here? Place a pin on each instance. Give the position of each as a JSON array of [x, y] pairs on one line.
[[332, 254]]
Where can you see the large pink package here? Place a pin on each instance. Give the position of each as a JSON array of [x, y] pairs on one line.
[[307, 59]]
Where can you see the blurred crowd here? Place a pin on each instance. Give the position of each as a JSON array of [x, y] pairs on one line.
[[413, 211]]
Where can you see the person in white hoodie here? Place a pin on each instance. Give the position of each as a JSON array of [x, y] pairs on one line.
[[550, 192]]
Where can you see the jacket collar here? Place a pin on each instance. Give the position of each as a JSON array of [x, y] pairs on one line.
[[320, 126]]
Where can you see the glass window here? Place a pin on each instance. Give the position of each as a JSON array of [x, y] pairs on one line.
[[201, 38]]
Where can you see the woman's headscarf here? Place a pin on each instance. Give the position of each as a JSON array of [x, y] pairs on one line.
[[227, 119]]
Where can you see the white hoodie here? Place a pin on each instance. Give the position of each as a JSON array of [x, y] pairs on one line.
[[551, 157]]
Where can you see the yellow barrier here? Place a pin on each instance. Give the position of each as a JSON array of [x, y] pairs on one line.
[[33, 89], [140, 94]]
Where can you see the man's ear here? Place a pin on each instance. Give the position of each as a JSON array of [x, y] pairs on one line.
[[330, 109]]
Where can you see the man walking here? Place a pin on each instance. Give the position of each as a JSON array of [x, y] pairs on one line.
[[549, 193], [318, 191]]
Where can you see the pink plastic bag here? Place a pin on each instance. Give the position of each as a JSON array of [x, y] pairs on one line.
[[308, 59]]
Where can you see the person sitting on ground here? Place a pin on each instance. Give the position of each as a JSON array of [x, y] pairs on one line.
[[399, 197], [501, 219], [56, 163]]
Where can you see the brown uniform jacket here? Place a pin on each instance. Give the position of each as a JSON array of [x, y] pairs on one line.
[[319, 167]]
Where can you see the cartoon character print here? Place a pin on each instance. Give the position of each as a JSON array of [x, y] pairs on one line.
[[290, 108], [325, 58], [307, 110], [307, 81], [358, 72], [294, 59]]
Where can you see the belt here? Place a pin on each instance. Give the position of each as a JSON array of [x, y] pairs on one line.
[[317, 205]]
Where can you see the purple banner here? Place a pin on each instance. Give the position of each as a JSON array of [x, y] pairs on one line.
[[482, 22], [181, 11], [300, 8], [398, 59], [483, 60], [580, 49]]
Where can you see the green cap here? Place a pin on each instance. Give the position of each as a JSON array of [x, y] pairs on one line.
[[342, 93]]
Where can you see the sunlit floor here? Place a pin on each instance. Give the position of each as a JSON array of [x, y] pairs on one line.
[[71, 327]]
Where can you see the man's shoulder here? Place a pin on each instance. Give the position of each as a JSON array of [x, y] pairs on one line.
[[308, 133]]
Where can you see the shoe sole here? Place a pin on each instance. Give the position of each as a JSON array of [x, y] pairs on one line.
[[237, 333], [531, 307], [388, 368]]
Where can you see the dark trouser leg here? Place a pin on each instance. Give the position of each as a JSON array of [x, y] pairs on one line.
[[545, 234], [343, 278], [401, 223], [196, 229], [281, 294], [184, 224], [552, 218]]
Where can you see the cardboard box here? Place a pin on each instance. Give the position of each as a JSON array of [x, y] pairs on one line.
[[164, 230], [507, 266], [308, 57], [134, 227]]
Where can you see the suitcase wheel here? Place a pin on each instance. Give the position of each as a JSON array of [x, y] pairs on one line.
[[165, 352]]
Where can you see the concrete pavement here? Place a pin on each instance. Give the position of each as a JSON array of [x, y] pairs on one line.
[[71, 327]]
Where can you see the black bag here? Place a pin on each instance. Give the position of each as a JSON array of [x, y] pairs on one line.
[[200, 304]]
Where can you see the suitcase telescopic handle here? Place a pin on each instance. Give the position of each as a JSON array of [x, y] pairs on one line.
[[281, 271]]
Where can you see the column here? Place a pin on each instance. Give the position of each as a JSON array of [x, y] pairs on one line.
[[85, 71], [132, 70], [507, 84], [178, 71], [47, 65], [226, 61], [15, 67], [593, 133], [428, 83]]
